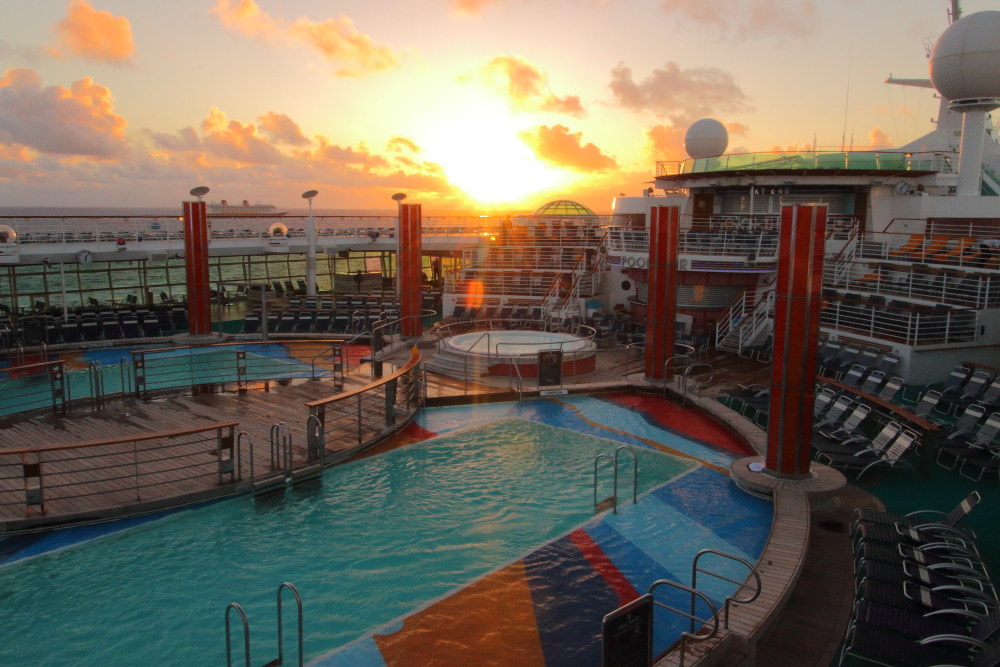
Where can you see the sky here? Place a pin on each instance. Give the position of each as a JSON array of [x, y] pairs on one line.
[[464, 105]]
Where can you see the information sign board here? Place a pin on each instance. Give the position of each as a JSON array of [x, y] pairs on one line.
[[628, 635], [550, 364]]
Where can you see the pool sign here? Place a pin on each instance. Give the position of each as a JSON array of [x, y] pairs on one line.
[[628, 635], [550, 364]]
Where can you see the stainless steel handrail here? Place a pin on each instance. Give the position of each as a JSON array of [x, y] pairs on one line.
[[687, 373], [729, 598], [635, 473], [688, 635], [281, 643], [246, 635], [614, 492], [281, 448]]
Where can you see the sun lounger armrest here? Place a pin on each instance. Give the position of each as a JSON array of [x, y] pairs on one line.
[[927, 512], [959, 639], [974, 593]]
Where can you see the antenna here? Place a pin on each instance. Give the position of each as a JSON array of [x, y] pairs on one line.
[[847, 97], [956, 10], [309, 194], [399, 196], [199, 192]]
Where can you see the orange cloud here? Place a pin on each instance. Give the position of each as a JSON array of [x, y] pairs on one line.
[[527, 87], [95, 35], [236, 141], [471, 6], [666, 142], [281, 129], [681, 95], [743, 18], [557, 145], [79, 120], [337, 40], [398, 144]]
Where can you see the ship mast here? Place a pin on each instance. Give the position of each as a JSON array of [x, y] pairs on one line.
[[956, 10]]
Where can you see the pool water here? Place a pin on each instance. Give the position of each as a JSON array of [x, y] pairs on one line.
[[377, 539]]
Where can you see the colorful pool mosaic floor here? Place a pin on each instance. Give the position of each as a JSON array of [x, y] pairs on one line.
[[546, 608]]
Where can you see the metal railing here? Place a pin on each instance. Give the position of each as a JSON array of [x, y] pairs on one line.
[[114, 471], [938, 161], [909, 325], [695, 594], [353, 418], [729, 598], [33, 386], [246, 630], [240, 363], [933, 285], [942, 245]]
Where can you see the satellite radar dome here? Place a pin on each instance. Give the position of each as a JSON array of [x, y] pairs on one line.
[[706, 138], [965, 62]]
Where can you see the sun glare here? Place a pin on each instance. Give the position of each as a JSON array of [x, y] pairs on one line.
[[478, 147]]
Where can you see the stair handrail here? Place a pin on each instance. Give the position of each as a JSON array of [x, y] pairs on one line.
[[635, 473], [465, 361], [676, 369], [281, 643], [281, 447], [752, 325], [692, 635], [729, 598], [614, 466], [246, 635], [736, 308], [685, 376]]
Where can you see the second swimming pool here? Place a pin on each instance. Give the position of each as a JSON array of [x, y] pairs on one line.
[[403, 540]]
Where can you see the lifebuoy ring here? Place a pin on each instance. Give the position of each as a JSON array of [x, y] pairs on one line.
[[630, 261], [641, 262]]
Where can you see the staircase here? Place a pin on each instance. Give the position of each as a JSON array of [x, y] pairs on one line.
[[746, 321]]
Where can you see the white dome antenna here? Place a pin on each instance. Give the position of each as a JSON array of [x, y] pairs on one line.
[[965, 69], [706, 138]]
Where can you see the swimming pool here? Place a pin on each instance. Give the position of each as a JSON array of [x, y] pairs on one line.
[[380, 540]]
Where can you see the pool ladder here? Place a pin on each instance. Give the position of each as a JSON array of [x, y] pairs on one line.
[[614, 468], [280, 660]]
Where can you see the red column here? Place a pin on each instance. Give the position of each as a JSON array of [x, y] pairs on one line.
[[196, 264], [798, 297], [664, 225], [409, 256]]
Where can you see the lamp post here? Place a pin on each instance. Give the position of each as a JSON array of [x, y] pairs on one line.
[[311, 238], [398, 198]]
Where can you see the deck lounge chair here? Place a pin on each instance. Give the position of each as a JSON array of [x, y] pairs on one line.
[[970, 445], [848, 428], [910, 247], [867, 459], [891, 388], [920, 518], [834, 414], [854, 444]]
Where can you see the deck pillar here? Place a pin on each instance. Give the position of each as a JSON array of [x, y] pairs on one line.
[[409, 258], [664, 226], [196, 266], [798, 297]]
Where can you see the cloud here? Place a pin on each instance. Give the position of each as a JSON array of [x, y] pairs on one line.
[[526, 87], [94, 35], [666, 142], [471, 6], [557, 145], [877, 138], [680, 95], [281, 129], [235, 140], [79, 120], [353, 53], [743, 18], [398, 144]]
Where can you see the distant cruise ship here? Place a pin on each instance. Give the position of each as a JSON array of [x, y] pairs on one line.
[[224, 210]]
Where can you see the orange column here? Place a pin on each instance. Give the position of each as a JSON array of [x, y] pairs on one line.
[[661, 309], [798, 297], [196, 266], [409, 256]]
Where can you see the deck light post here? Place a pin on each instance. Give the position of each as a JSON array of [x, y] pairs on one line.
[[311, 238]]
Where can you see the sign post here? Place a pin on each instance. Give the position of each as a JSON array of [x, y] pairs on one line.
[[628, 635]]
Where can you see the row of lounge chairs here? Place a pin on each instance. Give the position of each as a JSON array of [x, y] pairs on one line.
[[92, 326], [923, 595], [319, 322], [944, 250]]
